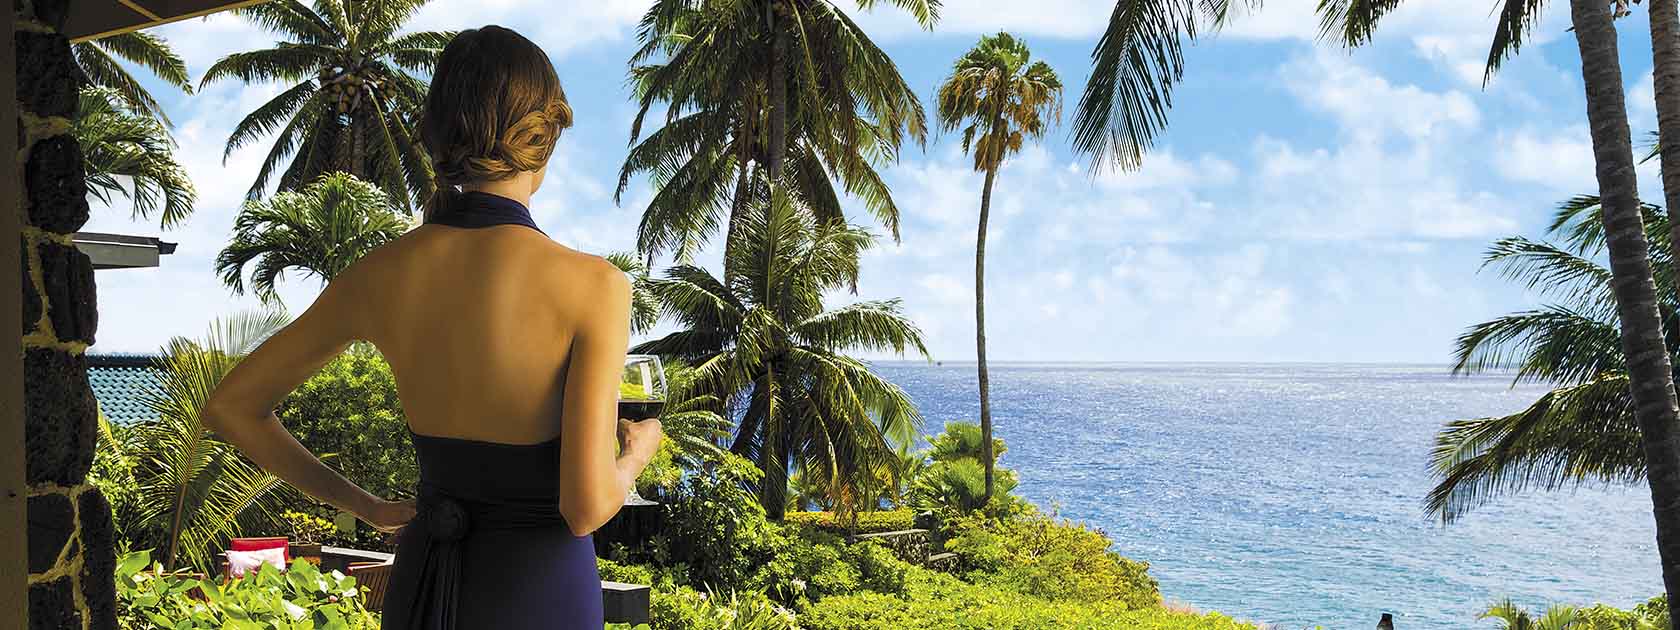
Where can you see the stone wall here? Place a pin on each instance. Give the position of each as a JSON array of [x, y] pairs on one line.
[[71, 549], [910, 545]]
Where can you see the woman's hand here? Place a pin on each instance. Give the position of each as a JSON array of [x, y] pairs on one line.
[[389, 516], [639, 440]]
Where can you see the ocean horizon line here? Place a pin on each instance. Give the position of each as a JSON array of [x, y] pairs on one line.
[[1447, 365]]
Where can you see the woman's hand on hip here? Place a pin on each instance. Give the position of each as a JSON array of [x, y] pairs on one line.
[[390, 516]]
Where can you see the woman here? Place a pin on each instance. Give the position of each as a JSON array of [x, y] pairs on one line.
[[507, 350]]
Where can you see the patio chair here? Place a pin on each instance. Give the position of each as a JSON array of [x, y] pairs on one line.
[[375, 577]]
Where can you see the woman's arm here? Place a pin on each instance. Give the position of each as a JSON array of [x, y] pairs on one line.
[[241, 410], [593, 481]]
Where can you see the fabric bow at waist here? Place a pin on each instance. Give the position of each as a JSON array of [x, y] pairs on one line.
[[441, 523]]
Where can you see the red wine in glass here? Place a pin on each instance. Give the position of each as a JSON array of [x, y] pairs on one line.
[[638, 410]]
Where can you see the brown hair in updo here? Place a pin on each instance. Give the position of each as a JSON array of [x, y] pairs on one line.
[[495, 108]]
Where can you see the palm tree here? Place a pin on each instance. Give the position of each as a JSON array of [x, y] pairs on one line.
[[758, 89], [320, 230], [1584, 431], [951, 474], [99, 62], [119, 145], [1000, 97], [200, 487], [1650, 374], [762, 342], [1514, 617], [353, 95], [1134, 67]]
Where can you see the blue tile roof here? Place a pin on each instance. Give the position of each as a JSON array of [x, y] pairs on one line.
[[119, 384]]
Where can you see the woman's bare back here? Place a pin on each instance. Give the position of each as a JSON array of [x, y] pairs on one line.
[[477, 325]]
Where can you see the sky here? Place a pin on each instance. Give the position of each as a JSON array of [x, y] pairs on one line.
[[1306, 203]]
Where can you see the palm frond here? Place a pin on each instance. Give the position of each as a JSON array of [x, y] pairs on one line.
[[1135, 65], [1570, 437]]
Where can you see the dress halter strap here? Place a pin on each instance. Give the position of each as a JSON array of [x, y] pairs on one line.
[[474, 209]]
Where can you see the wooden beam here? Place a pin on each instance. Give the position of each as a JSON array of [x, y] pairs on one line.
[[94, 20], [14, 544]]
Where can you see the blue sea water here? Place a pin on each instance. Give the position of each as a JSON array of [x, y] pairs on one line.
[[1292, 494]]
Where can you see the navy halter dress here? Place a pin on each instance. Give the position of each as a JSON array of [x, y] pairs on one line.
[[488, 547]]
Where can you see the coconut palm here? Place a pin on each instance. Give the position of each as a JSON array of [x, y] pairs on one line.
[[999, 97], [1584, 431], [1515, 617], [1649, 368], [789, 90], [100, 59], [200, 488], [1134, 67], [319, 230], [352, 94], [121, 146], [762, 343]]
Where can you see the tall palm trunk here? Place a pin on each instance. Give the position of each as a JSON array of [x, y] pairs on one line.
[[778, 104], [1650, 378], [980, 332], [1665, 64]]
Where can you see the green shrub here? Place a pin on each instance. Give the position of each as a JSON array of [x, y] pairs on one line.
[[878, 568], [684, 608], [1651, 615], [814, 569], [349, 414], [715, 534], [937, 601], [626, 573], [302, 597], [867, 522], [114, 465], [308, 528], [950, 479], [1052, 558]]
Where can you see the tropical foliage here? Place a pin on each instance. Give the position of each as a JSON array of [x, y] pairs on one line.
[[952, 481], [1514, 617], [351, 96], [121, 146], [301, 598], [100, 61], [864, 522], [1134, 67], [761, 341], [198, 490], [763, 91], [319, 230], [348, 413], [1583, 431], [1053, 558]]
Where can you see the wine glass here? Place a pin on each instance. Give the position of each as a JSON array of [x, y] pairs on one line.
[[641, 390], [641, 395]]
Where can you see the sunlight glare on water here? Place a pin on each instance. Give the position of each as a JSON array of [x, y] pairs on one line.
[[1293, 494]]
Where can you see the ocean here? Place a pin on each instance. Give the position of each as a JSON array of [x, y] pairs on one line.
[[1291, 494]]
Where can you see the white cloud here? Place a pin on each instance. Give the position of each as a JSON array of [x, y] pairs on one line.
[[1642, 104], [577, 26], [1367, 104], [1054, 18], [1560, 159]]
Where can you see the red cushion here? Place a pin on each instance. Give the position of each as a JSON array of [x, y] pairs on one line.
[[258, 544]]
